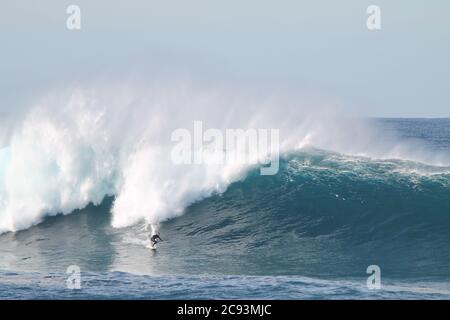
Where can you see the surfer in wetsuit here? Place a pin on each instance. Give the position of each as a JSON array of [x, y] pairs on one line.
[[155, 239]]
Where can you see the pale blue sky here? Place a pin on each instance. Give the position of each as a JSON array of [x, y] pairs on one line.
[[318, 46]]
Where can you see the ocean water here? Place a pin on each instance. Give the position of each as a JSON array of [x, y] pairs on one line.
[[309, 232]]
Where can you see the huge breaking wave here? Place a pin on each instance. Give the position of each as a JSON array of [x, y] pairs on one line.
[[76, 147]]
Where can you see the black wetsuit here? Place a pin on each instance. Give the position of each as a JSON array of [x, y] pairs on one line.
[[155, 239]]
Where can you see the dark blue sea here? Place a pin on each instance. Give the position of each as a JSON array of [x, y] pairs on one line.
[[309, 232]]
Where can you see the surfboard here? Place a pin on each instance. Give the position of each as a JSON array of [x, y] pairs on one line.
[[150, 246]]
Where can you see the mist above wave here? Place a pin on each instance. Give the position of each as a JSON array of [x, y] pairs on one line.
[[76, 146]]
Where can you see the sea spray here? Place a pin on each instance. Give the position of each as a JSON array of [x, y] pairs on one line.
[[75, 147]]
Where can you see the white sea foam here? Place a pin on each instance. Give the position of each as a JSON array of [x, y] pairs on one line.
[[75, 147]]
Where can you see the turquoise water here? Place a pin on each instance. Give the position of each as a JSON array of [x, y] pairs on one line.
[[309, 232]]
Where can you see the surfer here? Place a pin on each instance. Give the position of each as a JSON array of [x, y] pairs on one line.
[[155, 239]]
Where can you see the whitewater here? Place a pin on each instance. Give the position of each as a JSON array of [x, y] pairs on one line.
[[84, 170], [76, 146]]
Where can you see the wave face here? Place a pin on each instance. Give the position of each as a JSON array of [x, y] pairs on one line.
[[330, 215], [76, 147], [324, 216]]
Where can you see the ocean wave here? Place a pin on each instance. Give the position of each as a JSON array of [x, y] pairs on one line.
[[324, 215], [327, 214], [79, 146]]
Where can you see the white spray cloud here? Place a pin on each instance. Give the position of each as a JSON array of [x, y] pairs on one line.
[[76, 147]]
